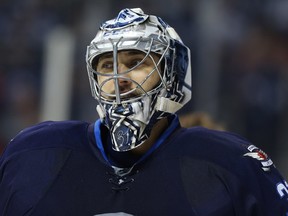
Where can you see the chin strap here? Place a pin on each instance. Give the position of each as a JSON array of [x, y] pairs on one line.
[[166, 105], [100, 112]]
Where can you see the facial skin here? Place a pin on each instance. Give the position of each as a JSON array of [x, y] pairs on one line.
[[127, 60]]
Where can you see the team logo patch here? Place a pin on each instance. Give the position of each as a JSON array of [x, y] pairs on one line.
[[126, 17], [258, 154]]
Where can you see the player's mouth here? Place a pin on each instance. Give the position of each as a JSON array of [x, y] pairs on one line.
[[127, 94]]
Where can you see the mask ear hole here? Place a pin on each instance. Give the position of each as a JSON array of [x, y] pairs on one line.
[[95, 76], [94, 63]]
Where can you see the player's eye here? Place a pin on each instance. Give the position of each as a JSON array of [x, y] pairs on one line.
[[135, 62], [105, 66]]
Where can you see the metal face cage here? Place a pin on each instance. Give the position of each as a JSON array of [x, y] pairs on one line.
[[147, 46]]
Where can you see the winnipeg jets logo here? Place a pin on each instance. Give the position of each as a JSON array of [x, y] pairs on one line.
[[124, 18], [258, 154]]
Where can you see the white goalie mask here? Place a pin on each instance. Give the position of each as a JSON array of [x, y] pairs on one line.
[[130, 115]]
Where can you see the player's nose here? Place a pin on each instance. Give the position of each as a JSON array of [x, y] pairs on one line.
[[124, 80], [122, 68]]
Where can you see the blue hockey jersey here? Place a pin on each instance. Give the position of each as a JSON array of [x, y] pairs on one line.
[[65, 168]]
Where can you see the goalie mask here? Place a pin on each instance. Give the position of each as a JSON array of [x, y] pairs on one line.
[[139, 72]]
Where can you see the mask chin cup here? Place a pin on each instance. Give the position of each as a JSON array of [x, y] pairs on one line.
[[125, 135], [126, 123]]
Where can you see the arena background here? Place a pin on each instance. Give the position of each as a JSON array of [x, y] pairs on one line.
[[239, 58]]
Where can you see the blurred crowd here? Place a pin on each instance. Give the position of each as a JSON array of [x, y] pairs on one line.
[[247, 49]]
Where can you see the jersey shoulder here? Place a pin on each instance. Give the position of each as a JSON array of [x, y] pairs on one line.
[[225, 149], [49, 134], [249, 175], [213, 141]]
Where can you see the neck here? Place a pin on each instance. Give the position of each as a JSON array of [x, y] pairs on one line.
[[156, 131]]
